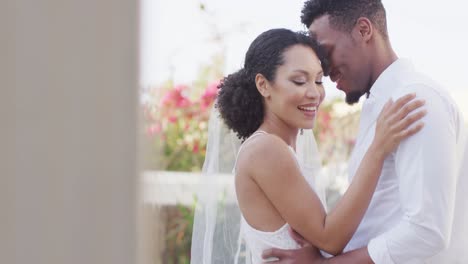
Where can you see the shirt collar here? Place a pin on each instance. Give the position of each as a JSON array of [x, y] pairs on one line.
[[381, 89]]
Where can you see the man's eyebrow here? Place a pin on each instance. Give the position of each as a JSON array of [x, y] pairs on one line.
[[314, 37]]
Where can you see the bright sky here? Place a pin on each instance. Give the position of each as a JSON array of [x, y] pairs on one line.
[[177, 37]]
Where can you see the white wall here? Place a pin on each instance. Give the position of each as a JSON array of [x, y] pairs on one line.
[[68, 131]]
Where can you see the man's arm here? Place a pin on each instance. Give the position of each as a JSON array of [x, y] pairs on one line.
[[426, 166], [310, 255], [358, 256]]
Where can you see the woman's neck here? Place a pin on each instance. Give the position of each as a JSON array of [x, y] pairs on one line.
[[274, 125]]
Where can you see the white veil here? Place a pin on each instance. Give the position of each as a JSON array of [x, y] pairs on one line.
[[216, 236]]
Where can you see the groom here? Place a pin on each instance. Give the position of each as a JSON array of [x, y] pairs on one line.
[[419, 209]]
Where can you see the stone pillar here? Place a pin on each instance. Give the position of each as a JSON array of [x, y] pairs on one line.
[[68, 113]]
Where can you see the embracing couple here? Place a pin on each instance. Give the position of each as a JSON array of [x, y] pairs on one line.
[[407, 199]]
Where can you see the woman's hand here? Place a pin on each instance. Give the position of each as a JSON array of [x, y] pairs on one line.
[[397, 121]]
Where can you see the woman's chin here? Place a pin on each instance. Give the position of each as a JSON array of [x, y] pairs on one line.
[[311, 124], [308, 126]]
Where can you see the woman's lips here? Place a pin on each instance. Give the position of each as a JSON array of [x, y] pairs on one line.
[[308, 110]]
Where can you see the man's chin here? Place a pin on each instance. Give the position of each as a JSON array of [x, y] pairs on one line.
[[353, 97]]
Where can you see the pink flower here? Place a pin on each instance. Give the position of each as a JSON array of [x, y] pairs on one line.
[[167, 98], [209, 95], [212, 90], [154, 129], [176, 97], [183, 102], [172, 119]]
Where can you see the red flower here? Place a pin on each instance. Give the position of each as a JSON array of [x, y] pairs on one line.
[[196, 147]]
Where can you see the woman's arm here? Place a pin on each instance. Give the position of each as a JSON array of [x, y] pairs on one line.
[[278, 175]]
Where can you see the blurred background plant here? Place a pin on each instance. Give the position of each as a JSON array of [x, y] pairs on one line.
[[335, 130], [176, 124], [176, 120], [179, 234]]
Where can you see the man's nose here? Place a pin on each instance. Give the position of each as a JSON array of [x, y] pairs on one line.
[[334, 75]]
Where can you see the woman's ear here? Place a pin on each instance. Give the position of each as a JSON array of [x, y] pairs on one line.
[[262, 85]]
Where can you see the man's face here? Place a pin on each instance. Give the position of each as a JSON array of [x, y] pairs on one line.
[[349, 67]]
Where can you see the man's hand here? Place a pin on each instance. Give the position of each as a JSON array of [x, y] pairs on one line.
[[304, 255], [298, 238]]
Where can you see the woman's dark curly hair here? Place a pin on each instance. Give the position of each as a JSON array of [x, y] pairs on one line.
[[240, 104]]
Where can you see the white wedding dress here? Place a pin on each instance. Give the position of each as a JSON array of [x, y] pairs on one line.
[[257, 241]]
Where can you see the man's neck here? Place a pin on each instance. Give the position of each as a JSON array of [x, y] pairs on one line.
[[383, 59]]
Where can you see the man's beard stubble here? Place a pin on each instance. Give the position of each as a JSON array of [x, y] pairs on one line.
[[353, 97]]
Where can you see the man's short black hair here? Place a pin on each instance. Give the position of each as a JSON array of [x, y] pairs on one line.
[[344, 13]]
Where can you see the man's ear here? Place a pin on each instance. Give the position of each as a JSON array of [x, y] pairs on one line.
[[262, 85], [363, 30]]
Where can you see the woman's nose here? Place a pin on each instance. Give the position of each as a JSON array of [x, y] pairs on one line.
[[312, 92]]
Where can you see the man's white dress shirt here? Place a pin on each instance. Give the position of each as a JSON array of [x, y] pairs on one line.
[[418, 213]]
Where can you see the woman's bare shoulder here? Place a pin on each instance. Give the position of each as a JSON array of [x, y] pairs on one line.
[[265, 153]]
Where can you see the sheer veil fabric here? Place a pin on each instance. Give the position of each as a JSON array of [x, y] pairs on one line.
[[217, 236]]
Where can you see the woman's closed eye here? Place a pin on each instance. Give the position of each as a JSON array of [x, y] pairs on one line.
[[299, 82]]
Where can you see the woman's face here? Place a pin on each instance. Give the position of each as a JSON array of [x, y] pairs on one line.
[[297, 90]]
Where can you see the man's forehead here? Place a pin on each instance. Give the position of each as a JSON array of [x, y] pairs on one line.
[[320, 29], [321, 38]]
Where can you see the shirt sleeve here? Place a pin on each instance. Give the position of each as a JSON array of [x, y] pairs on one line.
[[426, 166]]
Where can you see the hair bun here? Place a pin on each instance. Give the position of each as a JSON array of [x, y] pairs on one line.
[[240, 104]]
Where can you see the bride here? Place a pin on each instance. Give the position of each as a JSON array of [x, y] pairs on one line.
[[267, 104]]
